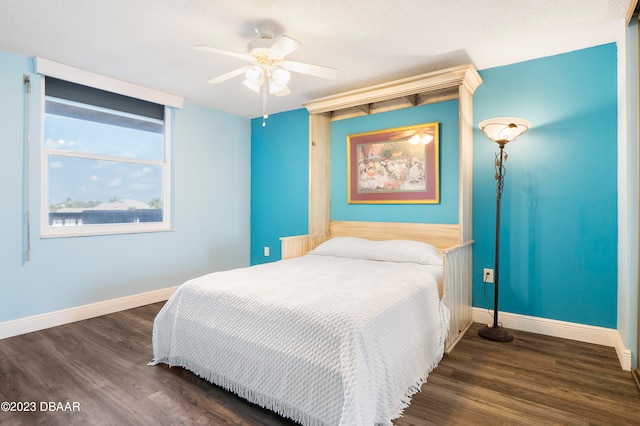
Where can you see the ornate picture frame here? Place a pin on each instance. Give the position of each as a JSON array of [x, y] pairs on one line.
[[395, 166]]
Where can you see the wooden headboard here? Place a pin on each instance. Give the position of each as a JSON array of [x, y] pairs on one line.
[[442, 236]]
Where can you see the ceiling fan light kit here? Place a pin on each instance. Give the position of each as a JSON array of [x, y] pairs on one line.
[[269, 70], [253, 79], [278, 79]]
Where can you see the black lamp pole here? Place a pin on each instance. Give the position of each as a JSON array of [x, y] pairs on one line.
[[495, 331], [501, 131]]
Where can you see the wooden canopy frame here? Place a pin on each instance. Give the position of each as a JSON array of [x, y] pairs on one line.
[[453, 240]]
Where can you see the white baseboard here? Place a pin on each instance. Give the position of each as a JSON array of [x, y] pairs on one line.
[[566, 330], [78, 313], [624, 354]]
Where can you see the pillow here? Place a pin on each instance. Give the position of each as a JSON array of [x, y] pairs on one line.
[[402, 251]]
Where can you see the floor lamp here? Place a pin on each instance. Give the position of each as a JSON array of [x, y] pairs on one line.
[[501, 131]]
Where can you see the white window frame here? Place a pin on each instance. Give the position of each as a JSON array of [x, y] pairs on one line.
[[110, 228], [56, 70]]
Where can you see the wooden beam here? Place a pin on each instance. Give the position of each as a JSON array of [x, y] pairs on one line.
[[633, 9], [366, 108], [466, 75], [412, 99], [319, 172]]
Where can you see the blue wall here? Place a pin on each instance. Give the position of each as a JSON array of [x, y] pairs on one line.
[[445, 113], [211, 214], [559, 241], [559, 211], [279, 181]]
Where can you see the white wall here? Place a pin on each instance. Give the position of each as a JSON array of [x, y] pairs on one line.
[[628, 191]]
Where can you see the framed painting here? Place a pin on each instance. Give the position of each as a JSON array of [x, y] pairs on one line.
[[395, 166]]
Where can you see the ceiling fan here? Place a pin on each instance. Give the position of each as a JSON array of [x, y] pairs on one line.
[[268, 67]]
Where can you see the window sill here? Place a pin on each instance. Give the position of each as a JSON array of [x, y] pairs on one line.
[[64, 233]]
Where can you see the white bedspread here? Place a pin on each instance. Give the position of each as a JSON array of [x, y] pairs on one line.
[[319, 339]]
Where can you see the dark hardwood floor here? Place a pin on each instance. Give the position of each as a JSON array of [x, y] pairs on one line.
[[100, 366]]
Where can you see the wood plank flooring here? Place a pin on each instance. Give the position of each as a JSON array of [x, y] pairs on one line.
[[101, 365]]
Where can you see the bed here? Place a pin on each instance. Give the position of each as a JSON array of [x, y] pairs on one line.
[[342, 335], [355, 354], [457, 255]]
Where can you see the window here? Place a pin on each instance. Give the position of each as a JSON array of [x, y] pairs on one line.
[[105, 162]]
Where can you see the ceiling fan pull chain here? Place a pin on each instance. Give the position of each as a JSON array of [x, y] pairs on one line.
[[265, 89]]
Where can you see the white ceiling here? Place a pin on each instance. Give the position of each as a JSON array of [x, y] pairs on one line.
[[149, 42]]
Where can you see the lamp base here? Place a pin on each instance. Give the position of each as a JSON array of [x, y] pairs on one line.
[[496, 334]]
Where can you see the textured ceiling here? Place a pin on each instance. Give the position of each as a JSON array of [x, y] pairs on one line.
[[149, 42]]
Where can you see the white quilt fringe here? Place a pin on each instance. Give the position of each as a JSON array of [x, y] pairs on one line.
[[250, 395]]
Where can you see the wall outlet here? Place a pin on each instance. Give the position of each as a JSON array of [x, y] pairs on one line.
[[487, 275], [266, 253]]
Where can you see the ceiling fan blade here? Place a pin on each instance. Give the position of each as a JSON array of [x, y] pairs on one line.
[[283, 47], [229, 75], [314, 70], [244, 56]]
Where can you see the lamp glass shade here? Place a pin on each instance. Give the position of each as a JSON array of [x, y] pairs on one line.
[[254, 77], [252, 85], [280, 76], [275, 87], [504, 129], [278, 79], [254, 74]]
